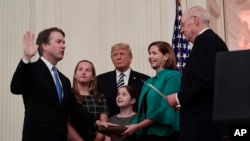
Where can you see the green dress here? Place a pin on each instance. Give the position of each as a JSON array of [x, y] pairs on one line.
[[167, 119]]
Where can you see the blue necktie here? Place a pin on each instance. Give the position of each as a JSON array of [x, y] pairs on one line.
[[58, 85]]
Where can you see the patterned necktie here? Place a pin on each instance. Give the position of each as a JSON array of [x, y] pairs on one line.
[[120, 81], [57, 82]]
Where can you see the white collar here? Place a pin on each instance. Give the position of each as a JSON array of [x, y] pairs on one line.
[[203, 31], [47, 63], [126, 73]]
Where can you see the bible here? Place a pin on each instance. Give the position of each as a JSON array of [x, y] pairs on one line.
[[111, 129]]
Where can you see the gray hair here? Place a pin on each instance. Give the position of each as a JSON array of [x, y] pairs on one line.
[[201, 13]]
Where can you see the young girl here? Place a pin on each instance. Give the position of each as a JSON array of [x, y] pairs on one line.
[[85, 92], [126, 100]]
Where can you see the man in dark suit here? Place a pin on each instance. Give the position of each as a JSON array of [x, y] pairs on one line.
[[45, 112], [195, 99], [121, 56]]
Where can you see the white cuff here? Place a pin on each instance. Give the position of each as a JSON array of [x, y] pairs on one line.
[[177, 100]]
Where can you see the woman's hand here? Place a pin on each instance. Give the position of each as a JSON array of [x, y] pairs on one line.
[[131, 129], [104, 123]]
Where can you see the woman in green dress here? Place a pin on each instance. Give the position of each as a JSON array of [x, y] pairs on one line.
[[156, 120]]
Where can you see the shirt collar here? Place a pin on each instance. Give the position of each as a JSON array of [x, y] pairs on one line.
[[203, 31], [47, 63], [127, 73]]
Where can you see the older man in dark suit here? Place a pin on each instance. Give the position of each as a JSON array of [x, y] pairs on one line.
[[109, 82], [197, 83], [47, 98]]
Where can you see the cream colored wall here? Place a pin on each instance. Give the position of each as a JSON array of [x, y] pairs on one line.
[[15, 17], [91, 26]]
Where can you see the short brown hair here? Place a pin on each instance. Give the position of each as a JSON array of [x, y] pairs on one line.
[[44, 37]]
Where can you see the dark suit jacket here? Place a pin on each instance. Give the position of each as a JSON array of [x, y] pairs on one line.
[[107, 86], [45, 117], [197, 86]]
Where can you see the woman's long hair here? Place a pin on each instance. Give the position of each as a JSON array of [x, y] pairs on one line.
[[92, 86]]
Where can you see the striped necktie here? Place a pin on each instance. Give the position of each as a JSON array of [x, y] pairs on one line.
[[120, 81], [57, 82]]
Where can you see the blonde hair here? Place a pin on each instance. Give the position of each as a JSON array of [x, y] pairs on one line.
[[121, 46]]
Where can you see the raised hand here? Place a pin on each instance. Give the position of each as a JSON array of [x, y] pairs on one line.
[[28, 46]]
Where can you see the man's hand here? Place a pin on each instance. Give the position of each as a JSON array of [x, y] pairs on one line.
[[171, 100], [28, 46]]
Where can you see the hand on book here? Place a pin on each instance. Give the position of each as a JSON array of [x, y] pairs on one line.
[[104, 123], [112, 129]]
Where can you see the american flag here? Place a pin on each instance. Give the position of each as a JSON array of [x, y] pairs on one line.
[[179, 43]]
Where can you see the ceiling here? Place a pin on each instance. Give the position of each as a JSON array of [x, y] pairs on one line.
[[244, 7]]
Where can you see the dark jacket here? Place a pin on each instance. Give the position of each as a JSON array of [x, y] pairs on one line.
[[197, 89], [45, 118], [107, 86]]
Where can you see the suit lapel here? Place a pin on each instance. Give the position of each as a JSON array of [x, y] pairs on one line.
[[133, 79], [51, 84], [113, 80], [65, 87]]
